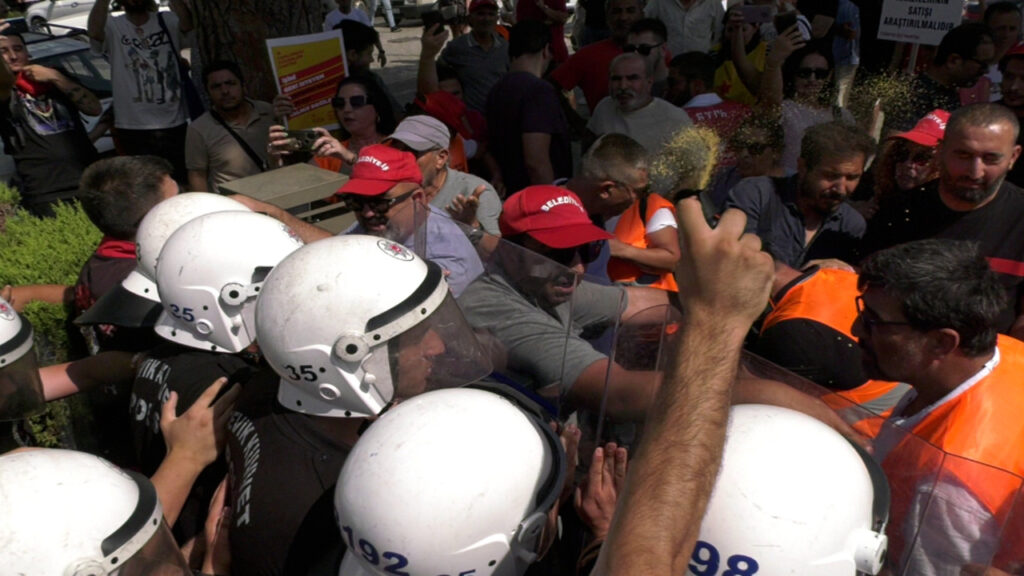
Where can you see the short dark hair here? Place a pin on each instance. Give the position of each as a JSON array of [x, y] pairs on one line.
[[220, 66], [357, 35], [996, 8], [962, 41], [696, 65], [983, 114], [941, 284], [116, 193], [834, 140], [528, 37], [650, 25]]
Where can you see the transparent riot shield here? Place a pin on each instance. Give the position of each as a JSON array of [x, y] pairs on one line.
[[408, 226], [21, 390], [639, 346], [525, 311]]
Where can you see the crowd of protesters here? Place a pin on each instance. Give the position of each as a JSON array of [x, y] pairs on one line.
[[643, 293]]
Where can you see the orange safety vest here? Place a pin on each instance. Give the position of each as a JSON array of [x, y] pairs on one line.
[[981, 425], [632, 229], [827, 296]]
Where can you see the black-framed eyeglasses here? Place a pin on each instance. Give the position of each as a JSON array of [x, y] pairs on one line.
[[870, 323], [817, 73], [567, 256], [376, 204], [641, 49], [356, 102]]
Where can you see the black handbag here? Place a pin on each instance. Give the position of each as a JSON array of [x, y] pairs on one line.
[[193, 100]]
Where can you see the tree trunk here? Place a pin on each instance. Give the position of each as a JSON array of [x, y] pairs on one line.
[[237, 30]]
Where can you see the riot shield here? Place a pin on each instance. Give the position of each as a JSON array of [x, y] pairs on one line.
[[523, 309]]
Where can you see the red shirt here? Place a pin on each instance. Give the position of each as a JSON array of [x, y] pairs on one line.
[[588, 69], [528, 10], [724, 118]]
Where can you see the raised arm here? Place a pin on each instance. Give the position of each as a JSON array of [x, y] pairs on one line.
[[97, 22], [724, 280], [84, 100]]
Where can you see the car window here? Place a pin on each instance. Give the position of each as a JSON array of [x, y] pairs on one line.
[[90, 69]]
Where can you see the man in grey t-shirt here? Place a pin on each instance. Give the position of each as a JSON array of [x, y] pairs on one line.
[[467, 198]]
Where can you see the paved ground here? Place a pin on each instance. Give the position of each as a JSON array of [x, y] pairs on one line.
[[403, 50]]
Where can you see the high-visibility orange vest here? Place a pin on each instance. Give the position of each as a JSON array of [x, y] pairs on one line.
[[632, 229], [826, 296], [981, 425]]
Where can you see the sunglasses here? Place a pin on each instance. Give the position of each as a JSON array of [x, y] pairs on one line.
[[567, 256], [641, 49], [918, 159], [356, 102], [817, 73], [376, 204]]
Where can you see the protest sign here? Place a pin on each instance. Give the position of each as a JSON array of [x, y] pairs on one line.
[[919, 21], [308, 69]]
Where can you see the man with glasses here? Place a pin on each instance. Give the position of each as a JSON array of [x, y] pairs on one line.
[[647, 38], [467, 198], [385, 193], [631, 108], [804, 219], [928, 316], [970, 200], [961, 59]]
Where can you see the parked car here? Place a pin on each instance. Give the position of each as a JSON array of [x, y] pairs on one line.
[[68, 49], [42, 12]]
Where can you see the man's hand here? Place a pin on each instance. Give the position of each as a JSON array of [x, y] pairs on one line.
[[721, 271], [197, 435], [283, 106], [217, 556], [41, 74], [432, 40], [597, 495], [463, 208]]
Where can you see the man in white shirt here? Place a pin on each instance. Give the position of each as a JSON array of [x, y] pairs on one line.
[[630, 108], [692, 24], [150, 113]]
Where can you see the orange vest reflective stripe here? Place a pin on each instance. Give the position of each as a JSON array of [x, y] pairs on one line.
[[873, 403], [632, 230], [826, 296], [983, 425]]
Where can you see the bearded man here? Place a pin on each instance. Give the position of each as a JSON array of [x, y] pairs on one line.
[[631, 109]]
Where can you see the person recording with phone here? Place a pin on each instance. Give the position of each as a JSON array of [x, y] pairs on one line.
[[365, 119]]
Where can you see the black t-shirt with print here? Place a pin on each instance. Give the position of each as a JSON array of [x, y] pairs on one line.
[[174, 368], [283, 467], [997, 227]]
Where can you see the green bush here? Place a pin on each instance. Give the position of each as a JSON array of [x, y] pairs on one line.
[[46, 251]]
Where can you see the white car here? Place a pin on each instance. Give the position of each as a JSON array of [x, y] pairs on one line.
[[46, 11]]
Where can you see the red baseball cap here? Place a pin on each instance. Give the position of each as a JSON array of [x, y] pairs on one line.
[[481, 3], [928, 131], [553, 216], [378, 169], [1017, 50]]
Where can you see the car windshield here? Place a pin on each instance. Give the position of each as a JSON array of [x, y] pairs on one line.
[[73, 56]]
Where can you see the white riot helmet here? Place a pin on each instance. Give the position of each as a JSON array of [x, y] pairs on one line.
[[21, 390], [136, 302], [65, 513], [209, 274], [456, 481], [353, 322], [793, 497]]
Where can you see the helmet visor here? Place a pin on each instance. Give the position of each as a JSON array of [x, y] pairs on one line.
[[21, 390], [441, 351], [160, 556]]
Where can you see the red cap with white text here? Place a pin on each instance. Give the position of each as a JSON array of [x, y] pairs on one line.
[[553, 216], [380, 168]]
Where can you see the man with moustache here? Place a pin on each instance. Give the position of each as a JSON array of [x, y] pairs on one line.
[[631, 109], [229, 141], [150, 114], [927, 316], [971, 200], [803, 219]]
